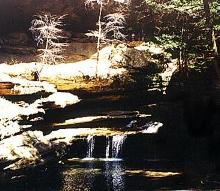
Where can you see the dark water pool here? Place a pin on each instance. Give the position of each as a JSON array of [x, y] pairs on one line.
[[119, 175]]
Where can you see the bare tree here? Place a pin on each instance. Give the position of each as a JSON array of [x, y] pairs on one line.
[[47, 31], [112, 27], [99, 34]]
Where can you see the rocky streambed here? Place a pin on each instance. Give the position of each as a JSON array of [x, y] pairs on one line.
[[39, 124], [27, 145]]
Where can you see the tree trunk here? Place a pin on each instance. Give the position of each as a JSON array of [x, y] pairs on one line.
[[209, 24], [99, 39]]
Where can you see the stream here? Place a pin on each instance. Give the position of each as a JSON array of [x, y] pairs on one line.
[[136, 157]]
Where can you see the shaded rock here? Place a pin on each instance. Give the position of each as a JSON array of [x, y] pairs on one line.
[[77, 51], [139, 56], [18, 50], [16, 39], [18, 14], [148, 65]]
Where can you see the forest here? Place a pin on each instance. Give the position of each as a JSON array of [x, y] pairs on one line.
[[109, 95]]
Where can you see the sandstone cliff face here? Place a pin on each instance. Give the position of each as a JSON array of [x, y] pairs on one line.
[[15, 15]]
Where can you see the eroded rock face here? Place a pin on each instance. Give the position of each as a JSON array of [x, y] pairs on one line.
[[16, 15], [22, 146], [147, 65]]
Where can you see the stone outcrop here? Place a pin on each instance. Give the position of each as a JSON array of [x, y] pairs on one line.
[[27, 147], [18, 86], [22, 146], [147, 65], [121, 66]]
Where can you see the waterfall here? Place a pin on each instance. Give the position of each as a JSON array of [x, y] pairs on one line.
[[107, 151], [91, 144], [112, 149], [117, 142]]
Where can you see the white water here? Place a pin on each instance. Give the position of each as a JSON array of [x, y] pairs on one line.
[[117, 142], [107, 151], [91, 145], [152, 127], [113, 147]]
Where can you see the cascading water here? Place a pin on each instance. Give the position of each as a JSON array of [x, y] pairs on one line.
[[113, 146], [117, 142], [107, 151], [91, 145]]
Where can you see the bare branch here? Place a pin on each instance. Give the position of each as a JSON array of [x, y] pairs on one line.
[[46, 30]]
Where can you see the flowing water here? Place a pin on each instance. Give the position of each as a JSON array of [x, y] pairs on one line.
[[107, 151], [151, 159], [91, 145], [117, 143]]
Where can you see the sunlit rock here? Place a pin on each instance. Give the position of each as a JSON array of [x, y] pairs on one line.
[[21, 86], [151, 174], [109, 115], [58, 99], [13, 114], [10, 127], [63, 99], [13, 110], [24, 147], [80, 120], [67, 135], [83, 68]]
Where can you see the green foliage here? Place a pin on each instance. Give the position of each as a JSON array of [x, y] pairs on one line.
[[182, 6], [193, 9], [169, 42], [186, 28], [217, 27], [215, 11], [215, 8]]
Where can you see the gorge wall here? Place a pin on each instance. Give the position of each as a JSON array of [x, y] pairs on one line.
[[16, 15]]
